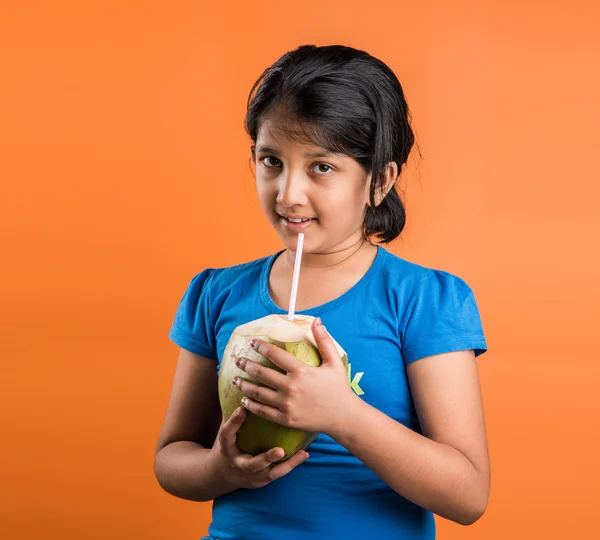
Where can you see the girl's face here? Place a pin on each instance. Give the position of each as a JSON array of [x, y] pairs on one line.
[[301, 180]]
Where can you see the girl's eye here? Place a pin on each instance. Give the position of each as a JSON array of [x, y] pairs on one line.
[[323, 168], [270, 162]]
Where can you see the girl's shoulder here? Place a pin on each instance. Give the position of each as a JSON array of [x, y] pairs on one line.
[[418, 276], [437, 310], [219, 278]]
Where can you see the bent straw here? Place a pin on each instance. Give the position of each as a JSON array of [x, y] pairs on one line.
[[296, 277]]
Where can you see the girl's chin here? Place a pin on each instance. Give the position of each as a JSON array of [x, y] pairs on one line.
[[291, 243]]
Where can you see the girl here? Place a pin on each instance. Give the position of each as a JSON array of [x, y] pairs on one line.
[[406, 438]]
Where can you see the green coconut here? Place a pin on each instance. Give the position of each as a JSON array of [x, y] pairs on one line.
[[257, 435]]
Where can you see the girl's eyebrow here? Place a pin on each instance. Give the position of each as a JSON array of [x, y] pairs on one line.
[[266, 149], [263, 149]]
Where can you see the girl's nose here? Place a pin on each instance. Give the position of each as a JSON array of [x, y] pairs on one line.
[[292, 190]]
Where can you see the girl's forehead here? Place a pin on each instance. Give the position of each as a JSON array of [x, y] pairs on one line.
[[277, 132]]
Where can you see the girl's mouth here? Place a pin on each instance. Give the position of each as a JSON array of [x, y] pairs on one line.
[[296, 226]]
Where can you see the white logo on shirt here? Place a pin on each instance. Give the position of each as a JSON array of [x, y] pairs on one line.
[[354, 381]]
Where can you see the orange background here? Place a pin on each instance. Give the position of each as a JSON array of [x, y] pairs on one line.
[[124, 171]]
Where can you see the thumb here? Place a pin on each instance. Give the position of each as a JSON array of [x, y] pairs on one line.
[[326, 346]]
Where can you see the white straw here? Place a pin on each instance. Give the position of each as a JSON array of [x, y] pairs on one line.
[[296, 276]]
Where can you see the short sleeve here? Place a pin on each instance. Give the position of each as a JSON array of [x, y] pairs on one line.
[[192, 328], [442, 316]]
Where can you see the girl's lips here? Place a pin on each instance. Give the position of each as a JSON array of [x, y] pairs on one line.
[[296, 227]]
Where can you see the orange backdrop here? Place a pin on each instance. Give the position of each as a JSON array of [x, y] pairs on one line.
[[124, 171]]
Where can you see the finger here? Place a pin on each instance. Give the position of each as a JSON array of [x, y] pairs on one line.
[[265, 411], [283, 359], [281, 469], [325, 344], [263, 394], [265, 375], [228, 433], [258, 463]]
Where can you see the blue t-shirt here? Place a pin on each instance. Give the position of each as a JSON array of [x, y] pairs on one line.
[[396, 314]]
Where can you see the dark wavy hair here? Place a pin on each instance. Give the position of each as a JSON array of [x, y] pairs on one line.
[[348, 102]]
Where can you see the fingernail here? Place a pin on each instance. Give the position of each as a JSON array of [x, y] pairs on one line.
[[235, 381], [245, 401], [253, 343], [319, 322]]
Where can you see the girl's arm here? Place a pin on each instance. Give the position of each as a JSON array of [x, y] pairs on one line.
[[446, 470], [182, 463], [197, 457]]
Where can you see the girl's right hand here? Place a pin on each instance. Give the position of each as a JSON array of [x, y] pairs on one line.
[[245, 470]]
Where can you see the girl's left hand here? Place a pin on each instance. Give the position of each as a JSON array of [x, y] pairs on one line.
[[304, 397]]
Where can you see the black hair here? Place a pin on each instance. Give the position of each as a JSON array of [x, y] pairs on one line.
[[346, 101]]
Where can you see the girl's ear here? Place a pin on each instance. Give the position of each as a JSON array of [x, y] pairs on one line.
[[389, 177]]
